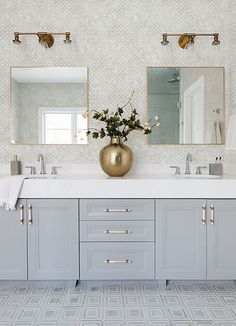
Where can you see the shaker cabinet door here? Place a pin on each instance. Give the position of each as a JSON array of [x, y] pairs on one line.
[[53, 239], [13, 244], [221, 240], [181, 239]]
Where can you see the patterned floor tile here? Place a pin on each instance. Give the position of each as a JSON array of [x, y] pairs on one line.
[[172, 300], [152, 300], [220, 313], [177, 313], [113, 314], [229, 300], [190, 300], [211, 300], [134, 313], [159, 323], [27, 314], [132, 300], [118, 304], [49, 314], [70, 313], [93, 300], [156, 313], [91, 314], [73, 300], [113, 300], [198, 313]]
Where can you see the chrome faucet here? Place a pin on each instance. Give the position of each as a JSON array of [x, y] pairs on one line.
[[189, 159], [42, 164]]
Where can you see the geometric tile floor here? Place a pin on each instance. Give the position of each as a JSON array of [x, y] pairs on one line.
[[117, 304]]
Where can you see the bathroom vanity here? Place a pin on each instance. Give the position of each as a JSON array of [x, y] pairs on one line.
[[64, 228]]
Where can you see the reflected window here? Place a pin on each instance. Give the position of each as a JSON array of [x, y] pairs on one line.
[[62, 126]]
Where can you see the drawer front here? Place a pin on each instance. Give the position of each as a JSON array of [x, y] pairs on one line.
[[116, 209], [116, 261], [117, 231]]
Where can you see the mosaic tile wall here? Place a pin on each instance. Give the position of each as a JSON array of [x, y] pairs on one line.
[[117, 40]]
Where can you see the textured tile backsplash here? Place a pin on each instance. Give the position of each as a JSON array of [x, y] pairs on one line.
[[116, 40]]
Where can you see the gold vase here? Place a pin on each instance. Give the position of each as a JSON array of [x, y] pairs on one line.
[[116, 158]]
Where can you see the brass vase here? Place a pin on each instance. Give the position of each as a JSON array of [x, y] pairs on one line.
[[116, 158]]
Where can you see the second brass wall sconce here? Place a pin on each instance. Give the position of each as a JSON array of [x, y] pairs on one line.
[[187, 39], [45, 39]]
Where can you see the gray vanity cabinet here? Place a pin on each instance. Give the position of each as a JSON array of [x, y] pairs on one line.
[[53, 241], [221, 240], [13, 244], [180, 239]]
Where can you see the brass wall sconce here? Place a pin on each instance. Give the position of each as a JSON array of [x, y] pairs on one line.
[[187, 39], [45, 39]]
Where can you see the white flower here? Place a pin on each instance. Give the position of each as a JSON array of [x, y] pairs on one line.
[[156, 118], [145, 124]]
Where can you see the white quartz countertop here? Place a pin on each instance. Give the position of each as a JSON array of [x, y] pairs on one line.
[[131, 186]]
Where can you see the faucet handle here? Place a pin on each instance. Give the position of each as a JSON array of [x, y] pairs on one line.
[[177, 168], [199, 169], [32, 169], [54, 169]]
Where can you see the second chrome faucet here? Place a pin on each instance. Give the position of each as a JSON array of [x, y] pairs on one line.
[[40, 159], [189, 159]]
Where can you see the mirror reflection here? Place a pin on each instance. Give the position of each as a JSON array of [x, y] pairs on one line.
[[189, 102], [47, 105]]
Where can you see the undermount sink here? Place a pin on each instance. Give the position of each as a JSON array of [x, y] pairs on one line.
[[39, 177], [197, 176]]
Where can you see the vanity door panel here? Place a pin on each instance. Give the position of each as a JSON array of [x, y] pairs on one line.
[[53, 241], [181, 239], [221, 240], [13, 243]]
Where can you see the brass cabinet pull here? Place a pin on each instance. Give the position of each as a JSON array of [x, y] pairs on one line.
[[117, 210], [21, 214], [212, 215], [30, 214], [117, 232], [125, 261], [203, 214]]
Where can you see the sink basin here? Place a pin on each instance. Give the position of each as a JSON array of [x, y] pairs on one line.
[[197, 176], [39, 177]]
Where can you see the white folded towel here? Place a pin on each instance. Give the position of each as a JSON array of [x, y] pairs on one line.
[[10, 188]]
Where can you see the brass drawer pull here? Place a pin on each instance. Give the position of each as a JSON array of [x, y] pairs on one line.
[[125, 261], [203, 214], [21, 214], [117, 232], [30, 214], [212, 215], [117, 210]]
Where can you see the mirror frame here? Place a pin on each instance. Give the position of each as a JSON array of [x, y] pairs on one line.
[[10, 104], [224, 113]]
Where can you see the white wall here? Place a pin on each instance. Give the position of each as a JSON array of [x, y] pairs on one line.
[[117, 40]]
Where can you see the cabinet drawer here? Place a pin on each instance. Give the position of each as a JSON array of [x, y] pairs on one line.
[[116, 209], [116, 261], [117, 231]]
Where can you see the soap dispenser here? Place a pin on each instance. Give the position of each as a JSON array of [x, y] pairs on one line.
[[15, 166], [217, 167]]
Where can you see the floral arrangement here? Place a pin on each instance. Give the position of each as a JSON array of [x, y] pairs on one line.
[[119, 125]]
